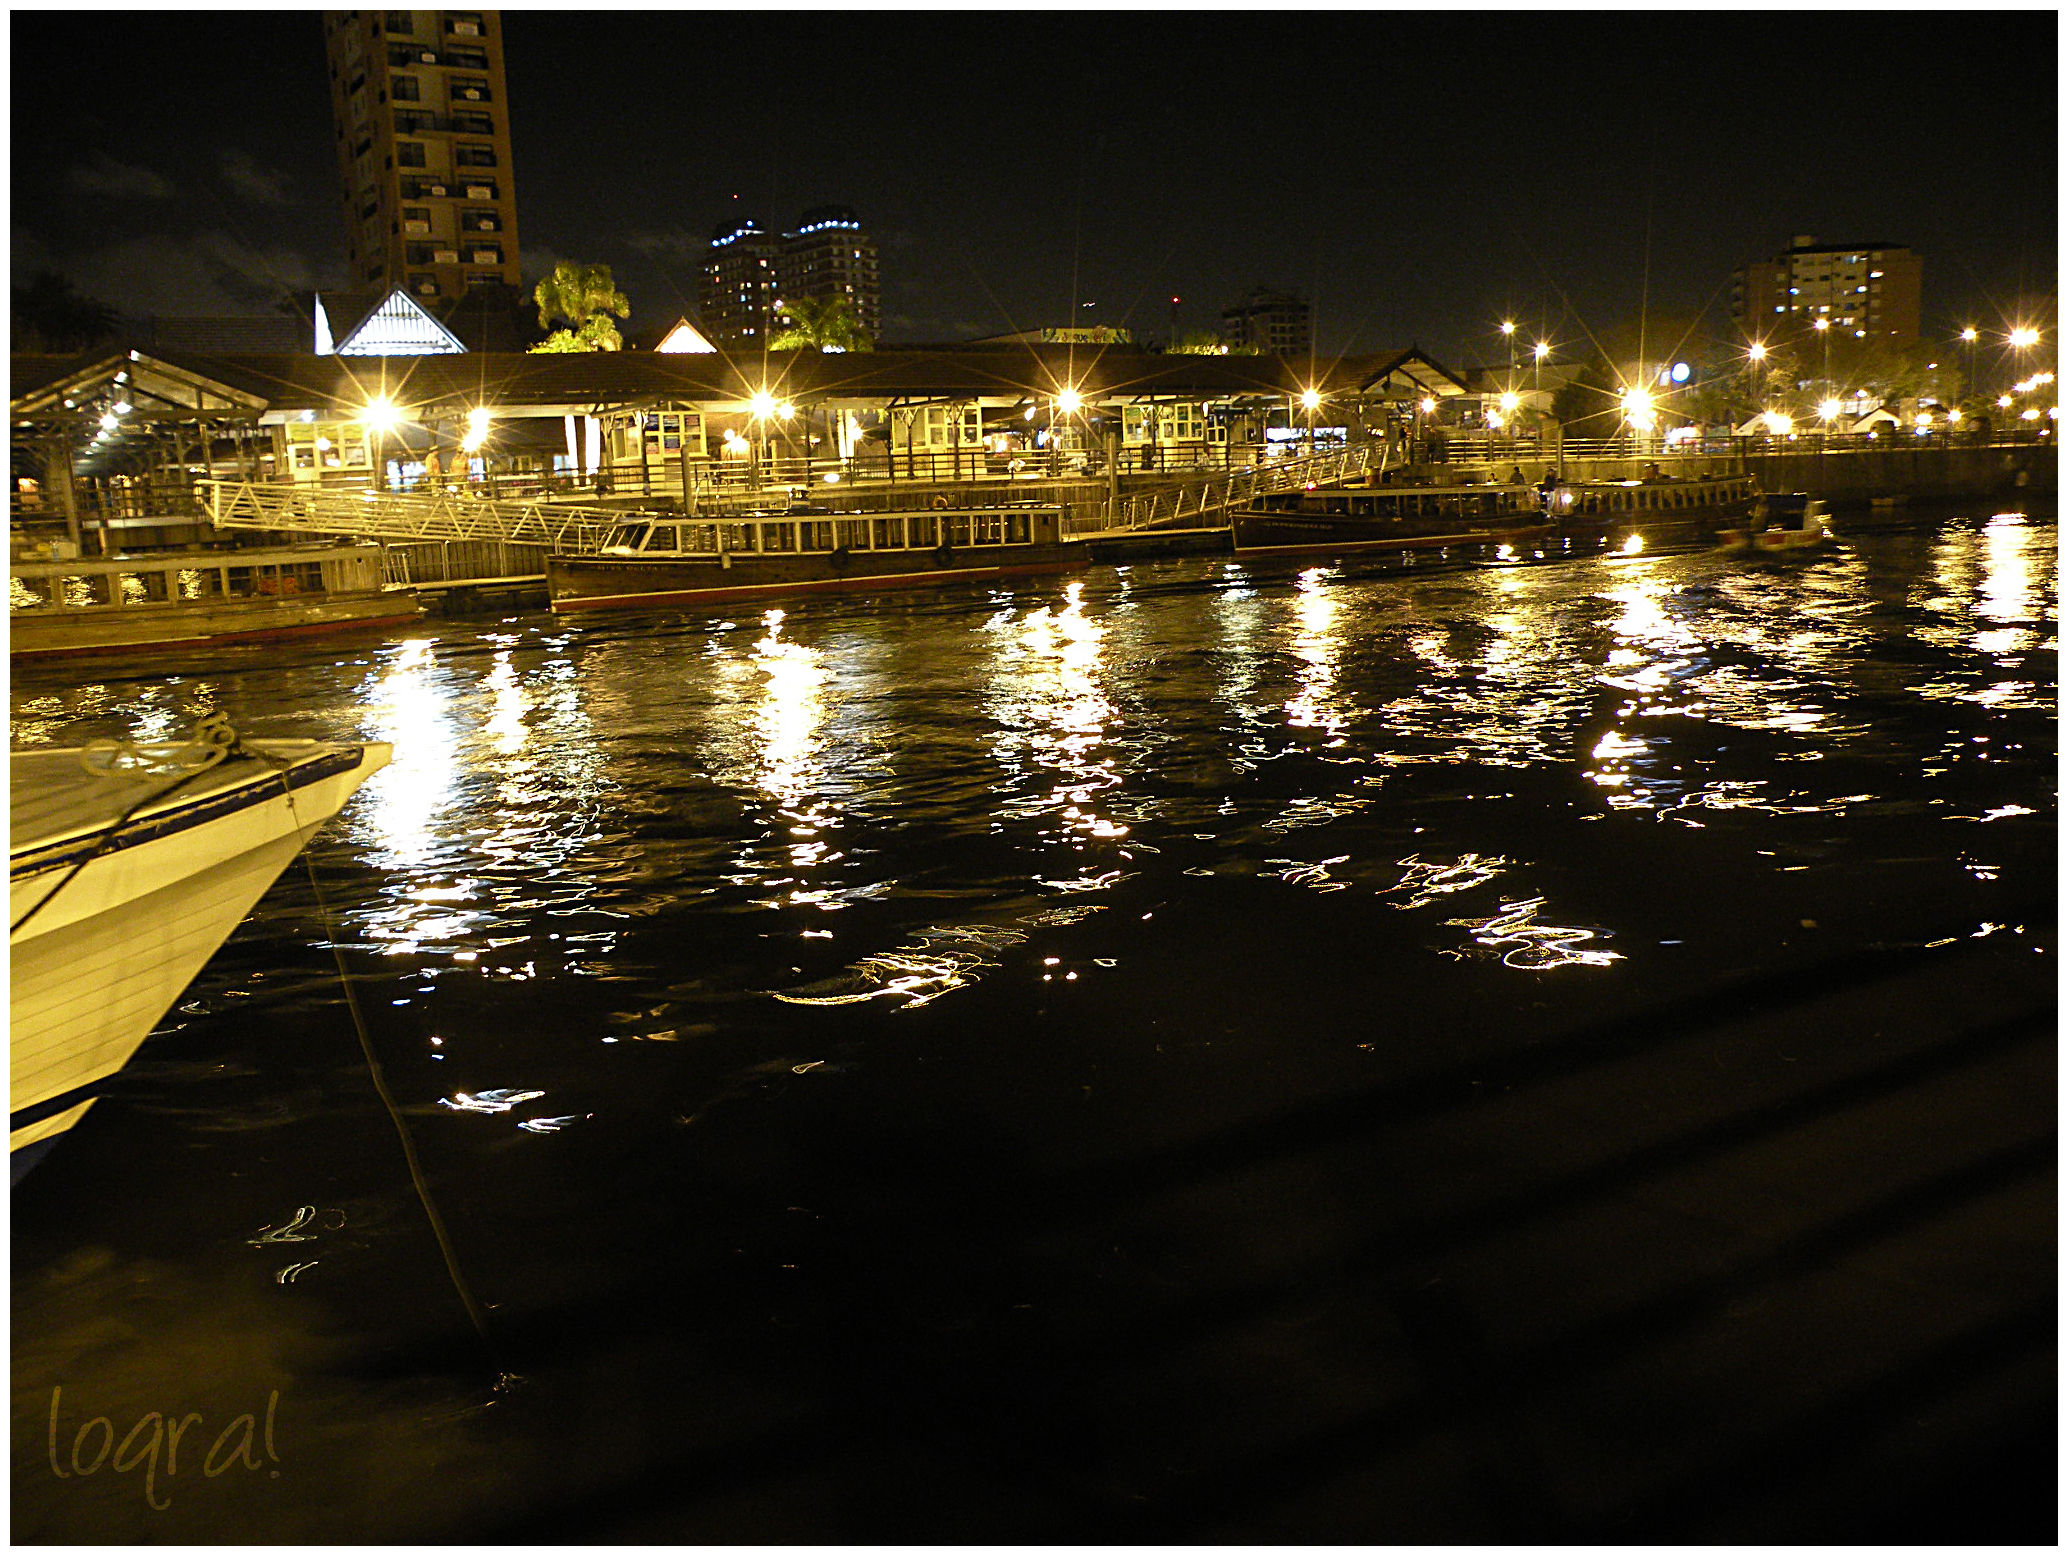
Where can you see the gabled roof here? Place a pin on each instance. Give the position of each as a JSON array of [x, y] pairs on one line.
[[155, 387], [373, 324]]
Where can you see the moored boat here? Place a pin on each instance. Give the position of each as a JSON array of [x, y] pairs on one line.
[[651, 564], [197, 599], [1387, 518], [129, 866], [1421, 517], [1782, 523]]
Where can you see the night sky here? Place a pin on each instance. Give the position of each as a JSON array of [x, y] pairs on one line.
[[1418, 176]]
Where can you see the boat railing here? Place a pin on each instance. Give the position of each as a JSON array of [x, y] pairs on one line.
[[193, 577]]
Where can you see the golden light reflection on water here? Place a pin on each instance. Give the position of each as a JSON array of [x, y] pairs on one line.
[[1532, 947], [1312, 707], [1052, 713]]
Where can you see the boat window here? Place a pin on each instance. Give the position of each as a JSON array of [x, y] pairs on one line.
[[630, 536], [816, 535], [890, 534], [958, 529], [924, 530], [660, 538], [989, 528], [742, 537], [778, 537], [1017, 531], [851, 533]]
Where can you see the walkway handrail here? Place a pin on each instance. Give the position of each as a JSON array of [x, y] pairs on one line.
[[1166, 505], [283, 505]]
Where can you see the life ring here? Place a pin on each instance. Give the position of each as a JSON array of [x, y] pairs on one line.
[[838, 558], [940, 503], [944, 553]]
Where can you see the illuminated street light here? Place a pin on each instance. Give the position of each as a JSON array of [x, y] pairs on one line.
[[763, 404], [2003, 401], [1543, 350], [1953, 416], [1069, 402], [1779, 423], [1829, 410], [1510, 402], [1757, 351], [1428, 406], [1310, 399], [380, 414], [2023, 337], [1970, 334], [110, 421]]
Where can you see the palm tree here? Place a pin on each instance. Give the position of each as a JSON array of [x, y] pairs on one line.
[[823, 324], [587, 298]]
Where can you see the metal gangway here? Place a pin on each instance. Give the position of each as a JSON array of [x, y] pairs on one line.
[[403, 517], [1203, 503]]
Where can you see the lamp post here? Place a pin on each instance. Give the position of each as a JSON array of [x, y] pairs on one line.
[[379, 418], [1310, 401], [1541, 351], [1508, 330], [1970, 336], [1823, 328]]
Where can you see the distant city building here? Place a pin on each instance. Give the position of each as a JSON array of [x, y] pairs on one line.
[[829, 255], [1276, 322], [751, 276], [1866, 291], [423, 147]]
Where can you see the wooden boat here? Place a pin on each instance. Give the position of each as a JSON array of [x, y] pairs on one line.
[[1416, 517], [1388, 518], [657, 564], [1782, 523], [197, 599], [128, 868]]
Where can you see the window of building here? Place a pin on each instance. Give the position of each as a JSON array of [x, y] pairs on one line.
[[480, 188], [416, 220], [478, 278], [481, 221], [403, 22], [466, 89], [422, 284], [409, 153], [405, 54], [485, 253], [407, 89], [465, 24], [473, 156], [472, 123], [467, 59]]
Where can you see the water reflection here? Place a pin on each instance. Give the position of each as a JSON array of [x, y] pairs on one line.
[[1054, 738], [1315, 644]]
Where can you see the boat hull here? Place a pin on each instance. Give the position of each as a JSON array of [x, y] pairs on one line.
[[142, 628], [1282, 535], [100, 955], [660, 583]]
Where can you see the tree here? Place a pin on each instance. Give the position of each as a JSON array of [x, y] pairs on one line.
[[587, 298], [49, 315], [1205, 343], [823, 324], [1588, 405]]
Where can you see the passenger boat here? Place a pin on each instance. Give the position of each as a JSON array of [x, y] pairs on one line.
[[651, 563], [197, 599], [1782, 523], [1415, 517], [129, 866], [1388, 518]]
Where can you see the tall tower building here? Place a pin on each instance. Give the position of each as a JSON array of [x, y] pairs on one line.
[[1863, 292], [750, 274], [423, 146], [829, 255], [736, 293], [1271, 321]]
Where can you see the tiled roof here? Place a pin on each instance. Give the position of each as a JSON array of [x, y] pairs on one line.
[[300, 381]]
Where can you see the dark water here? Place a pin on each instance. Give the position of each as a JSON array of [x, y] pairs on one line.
[[1186, 1053]]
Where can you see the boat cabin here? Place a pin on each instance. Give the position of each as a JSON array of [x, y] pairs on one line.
[[803, 533]]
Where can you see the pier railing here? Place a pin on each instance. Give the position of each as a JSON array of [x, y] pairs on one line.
[[406, 516], [1203, 502]]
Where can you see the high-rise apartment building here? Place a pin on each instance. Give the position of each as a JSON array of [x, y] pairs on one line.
[[736, 293], [423, 146], [829, 255], [1863, 292], [1275, 322], [750, 274]]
